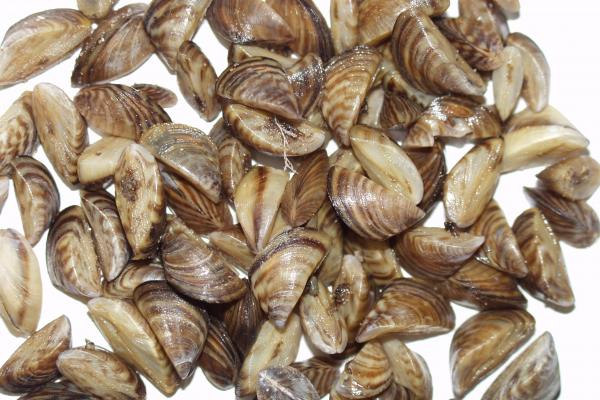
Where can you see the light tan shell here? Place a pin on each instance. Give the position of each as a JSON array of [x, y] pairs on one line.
[[508, 81], [40, 41], [378, 258], [240, 52], [140, 200], [61, 129], [133, 275], [132, 339], [408, 368], [284, 383], [219, 360], [351, 293], [18, 134], [344, 24], [95, 9], [232, 242], [99, 160], [370, 114], [21, 286], [345, 158], [37, 196], [574, 178], [368, 374]]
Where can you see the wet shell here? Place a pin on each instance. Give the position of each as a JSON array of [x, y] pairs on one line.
[[34, 362], [540, 139], [109, 237], [305, 192], [344, 24], [243, 320], [409, 369], [197, 270], [37, 196], [368, 374], [367, 208], [18, 135], [269, 134], [398, 110], [134, 274], [500, 249], [235, 159], [376, 18], [479, 286], [370, 114], [281, 270], [95, 9], [21, 286], [575, 178], [61, 129], [508, 81], [386, 163], [40, 41], [232, 242], [435, 253], [547, 280], [257, 199], [219, 360], [431, 164], [132, 339], [284, 383], [101, 373], [428, 61], [169, 23], [410, 309], [63, 390], [345, 158], [326, 221], [377, 257], [306, 77], [179, 326], [162, 96], [274, 347], [323, 372], [534, 374], [348, 79], [351, 294], [573, 222], [471, 183], [248, 21], [259, 83], [197, 79], [483, 343], [307, 25], [99, 160], [140, 200], [536, 85], [71, 257], [193, 207], [118, 110], [117, 47]]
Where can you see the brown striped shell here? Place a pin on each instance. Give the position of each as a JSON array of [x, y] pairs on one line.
[[323, 372], [378, 258], [18, 134], [63, 388], [408, 368], [133, 275], [284, 383], [231, 241], [327, 222], [431, 164], [306, 77], [575, 178], [344, 24], [4, 186], [219, 360], [160, 95]]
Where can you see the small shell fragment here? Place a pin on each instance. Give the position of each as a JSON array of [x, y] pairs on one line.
[[575, 178], [134, 274], [284, 383], [508, 81], [95, 9], [219, 360], [409, 369], [18, 134], [98, 162], [323, 372]]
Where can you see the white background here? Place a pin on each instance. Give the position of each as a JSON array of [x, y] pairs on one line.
[[566, 31]]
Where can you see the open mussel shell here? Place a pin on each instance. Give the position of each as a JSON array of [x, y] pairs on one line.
[[483, 343], [281, 270], [37, 196], [323, 372], [344, 24], [574, 178], [471, 183], [34, 362], [219, 360], [534, 374], [547, 279], [271, 135], [71, 256], [160, 95], [500, 249], [243, 319], [169, 23], [40, 41], [197, 78], [348, 79], [274, 347], [367, 208], [409, 308], [140, 200], [284, 383], [197, 270], [508, 81], [428, 61], [63, 390], [431, 164], [409, 369], [118, 110], [248, 21], [110, 241], [98, 162], [18, 134], [479, 286], [231, 241], [118, 46], [100, 373], [188, 152], [95, 9], [21, 287], [133, 275], [573, 222], [306, 77], [435, 253], [378, 258], [61, 129], [179, 326], [132, 339]]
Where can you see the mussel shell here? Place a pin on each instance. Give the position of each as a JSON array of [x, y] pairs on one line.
[[431, 164], [95, 9], [157, 94], [306, 77], [4, 186], [63, 390], [243, 320], [344, 24], [409, 369], [326, 221], [133, 275], [219, 360], [323, 372], [574, 178], [508, 81], [284, 383], [351, 294], [232, 242], [18, 134], [98, 162], [378, 258]]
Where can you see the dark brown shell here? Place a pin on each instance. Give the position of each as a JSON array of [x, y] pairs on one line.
[[307, 76], [243, 320], [323, 372], [219, 360], [431, 163]]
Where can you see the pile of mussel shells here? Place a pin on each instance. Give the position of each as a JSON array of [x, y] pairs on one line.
[[221, 251]]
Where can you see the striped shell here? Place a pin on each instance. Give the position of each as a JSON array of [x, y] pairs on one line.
[[409, 369], [133, 275], [219, 360], [18, 134]]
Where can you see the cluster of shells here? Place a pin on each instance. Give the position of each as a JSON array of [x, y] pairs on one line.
[[317, 247]]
